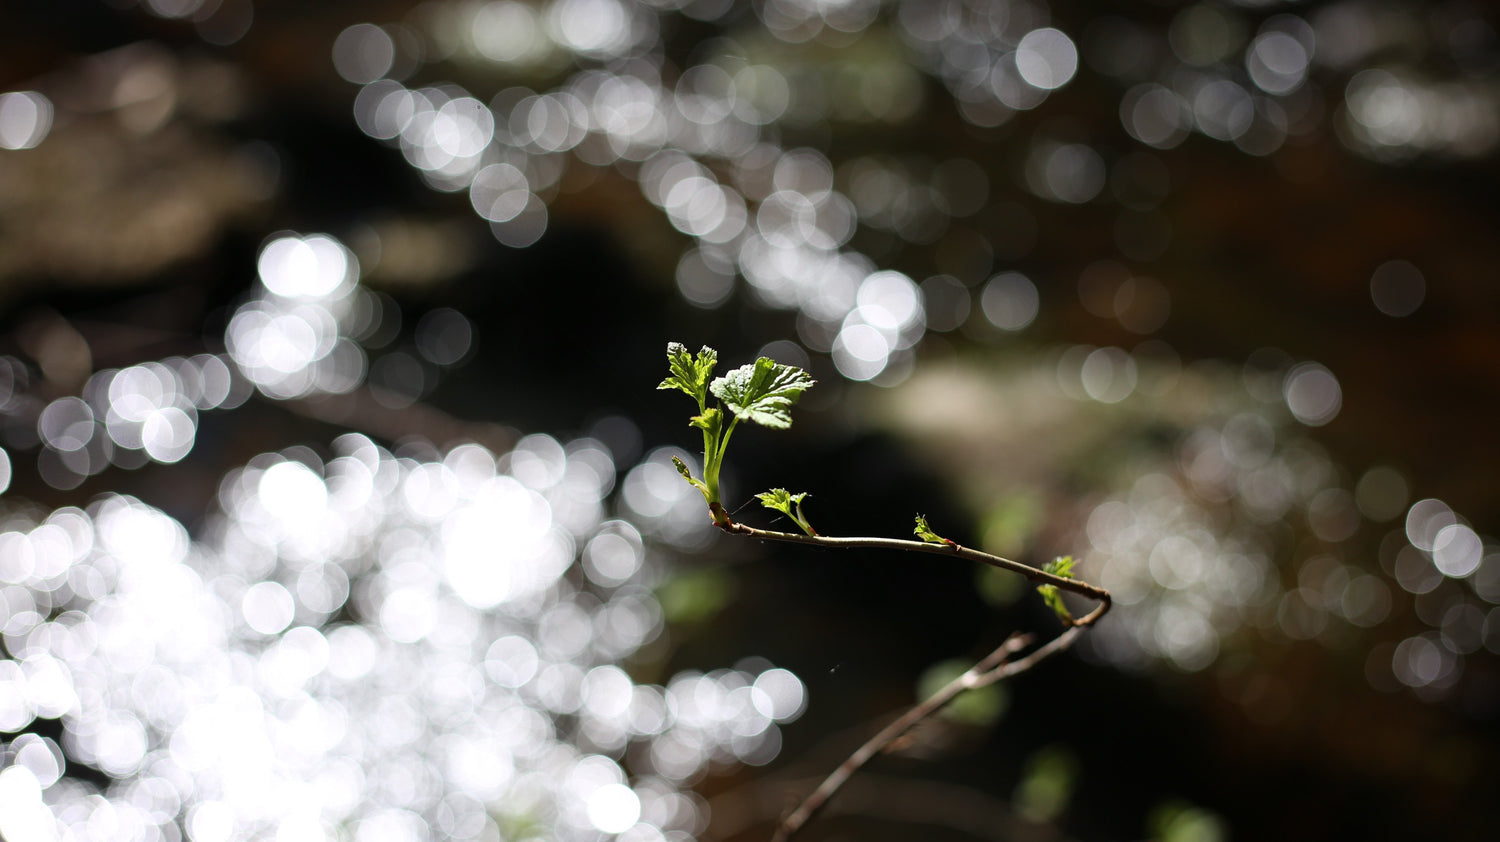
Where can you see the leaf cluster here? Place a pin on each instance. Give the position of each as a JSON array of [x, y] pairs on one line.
[[762, 392], [688, 373], [925, 532], [1061, 566], [781, 500]]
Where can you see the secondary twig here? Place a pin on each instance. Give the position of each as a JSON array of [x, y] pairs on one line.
[[993, 667]]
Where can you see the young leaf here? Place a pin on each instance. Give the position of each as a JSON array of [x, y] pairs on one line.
[[1060, 566], [925, 532], [711, 421], [688, 373], [763, 392], [780, 500]]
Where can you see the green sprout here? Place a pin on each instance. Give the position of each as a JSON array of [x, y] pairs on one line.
[[1060, 566], [925, 532], [762, 392], [781, 500]]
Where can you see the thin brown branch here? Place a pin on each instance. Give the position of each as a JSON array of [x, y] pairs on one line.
[[992, 668], [1041, 577], [876, 744]]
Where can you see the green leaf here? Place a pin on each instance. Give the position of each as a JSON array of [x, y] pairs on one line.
[[1060, 566], [925, 532], [688, 373], [781, 500], [1053, 598], [763, 392], [711, 421]]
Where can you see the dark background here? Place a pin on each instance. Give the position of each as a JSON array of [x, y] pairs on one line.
[[1270, 251]]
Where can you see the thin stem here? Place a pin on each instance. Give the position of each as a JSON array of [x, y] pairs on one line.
[[709, 437], [1041, 577], [713, 461], [803, 522], [709, 452]]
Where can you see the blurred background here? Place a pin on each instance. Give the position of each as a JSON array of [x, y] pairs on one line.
[[337, 497]]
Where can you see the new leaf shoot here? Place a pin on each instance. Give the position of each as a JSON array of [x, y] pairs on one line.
[[763, 392], [690, 374], [925, 532], [781, 500], [682, 468], [1060, 566]]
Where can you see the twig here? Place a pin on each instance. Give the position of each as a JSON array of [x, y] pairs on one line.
[[992, 668], [1041, 577], [764, 394]]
